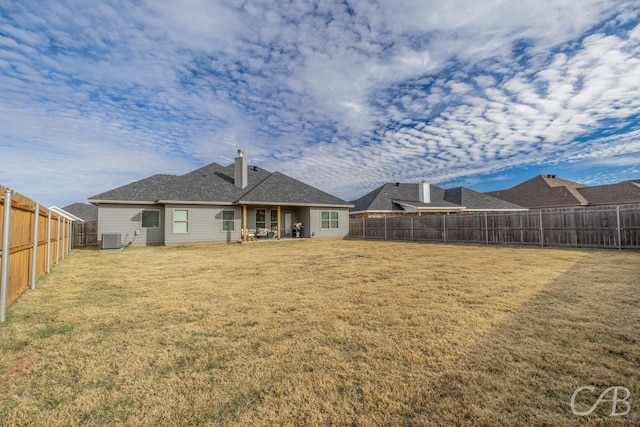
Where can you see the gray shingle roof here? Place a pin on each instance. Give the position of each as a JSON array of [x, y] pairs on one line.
[[546, 191], [542, 191], [84, 211], [215, 183], [144, 190], [473, 200], [284, 189], [391, 197], [624, 192]]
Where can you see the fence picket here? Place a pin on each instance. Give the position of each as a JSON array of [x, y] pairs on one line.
[[598, 227], [25, 251]]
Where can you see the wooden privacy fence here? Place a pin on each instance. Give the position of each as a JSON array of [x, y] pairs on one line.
[[615, 227], [85, 234], [32, 240]]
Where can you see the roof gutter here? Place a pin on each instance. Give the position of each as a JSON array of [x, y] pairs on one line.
[[191, 202], [497, 210], [319, 205], [122, 202]]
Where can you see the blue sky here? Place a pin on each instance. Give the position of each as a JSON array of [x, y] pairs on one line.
[[343, 95]]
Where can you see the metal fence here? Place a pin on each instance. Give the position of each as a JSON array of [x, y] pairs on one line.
[[616, 227], [32, 240]]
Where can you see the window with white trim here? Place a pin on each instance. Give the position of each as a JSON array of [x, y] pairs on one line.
[[329, 219], [261, 217], [180, 221], [228, 220], [150, 218]]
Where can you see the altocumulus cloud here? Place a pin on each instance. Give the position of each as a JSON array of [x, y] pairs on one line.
[[342, 95]]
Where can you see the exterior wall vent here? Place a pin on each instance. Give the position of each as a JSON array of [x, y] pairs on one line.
[[111, 241]]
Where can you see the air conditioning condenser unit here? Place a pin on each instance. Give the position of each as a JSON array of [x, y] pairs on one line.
[[111, 241]]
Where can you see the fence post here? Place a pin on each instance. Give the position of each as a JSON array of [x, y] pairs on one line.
[[4, 278], [412, 218], [364, 227], [34, 258], [65, 240], [69, 236], [619, 228], [58, 241], [444, 228], [486, 227], [541, 231], [49, 242], [385, 228]]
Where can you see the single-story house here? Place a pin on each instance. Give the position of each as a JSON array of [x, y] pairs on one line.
[[549, 191], [397, 199], [218, 203], [85, 211]]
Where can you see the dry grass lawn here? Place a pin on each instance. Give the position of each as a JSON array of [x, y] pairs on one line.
[[324, 332]]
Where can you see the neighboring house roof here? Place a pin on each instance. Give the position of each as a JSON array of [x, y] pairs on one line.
[[547, 191], [543, 191], [84, 211], [474, 200], [68, 215], [215, 184], [400, 197], [626, 192]]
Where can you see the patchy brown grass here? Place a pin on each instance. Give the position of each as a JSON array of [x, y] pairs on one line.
[[323, 332]]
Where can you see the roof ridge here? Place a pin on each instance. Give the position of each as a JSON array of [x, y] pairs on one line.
[[559, 182]]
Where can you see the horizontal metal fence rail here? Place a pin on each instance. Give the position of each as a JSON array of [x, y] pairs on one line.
[[614, 227]]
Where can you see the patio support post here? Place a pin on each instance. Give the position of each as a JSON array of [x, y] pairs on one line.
[[278, 222], [244, 223]]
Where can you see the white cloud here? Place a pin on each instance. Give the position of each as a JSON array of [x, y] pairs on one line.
[[370, 92]]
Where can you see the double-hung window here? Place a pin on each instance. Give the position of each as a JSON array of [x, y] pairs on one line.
[[180, 221], [228, 220], [329, 219]]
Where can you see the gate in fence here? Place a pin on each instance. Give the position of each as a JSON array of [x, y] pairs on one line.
[[85, 234], [607, 227]]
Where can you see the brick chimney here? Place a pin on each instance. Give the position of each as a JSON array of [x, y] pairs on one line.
[[241, 178], [424, 192]]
